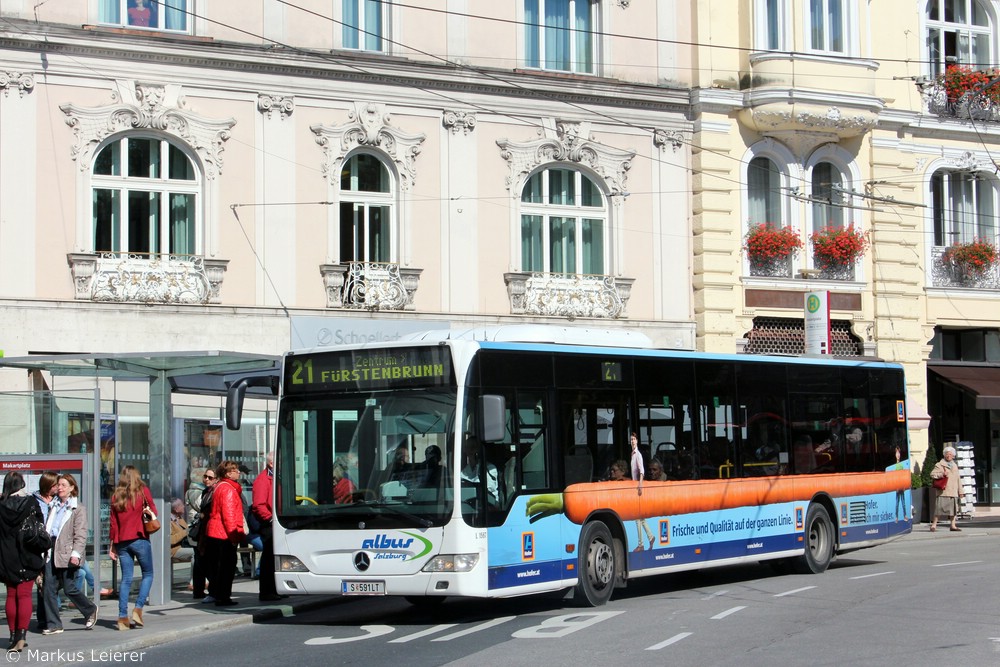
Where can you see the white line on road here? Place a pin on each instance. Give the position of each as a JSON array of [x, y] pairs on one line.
[[793, 592], [714, 595], [967, 562], [877, 574], [476, 628], [727, 613], [423, 633], [668, 642]]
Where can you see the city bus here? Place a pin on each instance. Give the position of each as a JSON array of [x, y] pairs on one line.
[[476, 463]]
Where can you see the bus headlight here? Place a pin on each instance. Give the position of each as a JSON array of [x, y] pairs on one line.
[[452, 563], [291, 564]]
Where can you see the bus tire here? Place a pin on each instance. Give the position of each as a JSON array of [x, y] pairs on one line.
[[596, 566], [819, 541]]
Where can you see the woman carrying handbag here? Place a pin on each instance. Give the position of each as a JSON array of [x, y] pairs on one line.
[[946, 492], [131, 505]]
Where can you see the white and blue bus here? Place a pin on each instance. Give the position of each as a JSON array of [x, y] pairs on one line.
[[478, 463]]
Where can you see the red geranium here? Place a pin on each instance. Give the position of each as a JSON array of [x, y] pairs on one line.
[[836, 247], [767, 244]]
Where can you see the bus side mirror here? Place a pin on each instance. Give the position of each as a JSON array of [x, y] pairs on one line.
[[493, 418], [237, 392]]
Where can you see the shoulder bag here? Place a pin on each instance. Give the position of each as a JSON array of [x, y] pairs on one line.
[[940, 483], [149, 521]]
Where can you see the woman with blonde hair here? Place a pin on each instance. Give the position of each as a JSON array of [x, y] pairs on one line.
[[130, 542], [69, 525]]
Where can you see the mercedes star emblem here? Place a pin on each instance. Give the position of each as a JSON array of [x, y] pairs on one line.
[[362, 561]]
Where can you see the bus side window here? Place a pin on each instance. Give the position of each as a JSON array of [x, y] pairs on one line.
[[530, 439]]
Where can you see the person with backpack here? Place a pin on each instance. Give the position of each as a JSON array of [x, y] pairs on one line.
[[20, 562]]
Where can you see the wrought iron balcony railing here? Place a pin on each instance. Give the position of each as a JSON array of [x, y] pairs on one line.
[[568, 295], [123, 277], [370, 285], [971, 104], [949, 274]]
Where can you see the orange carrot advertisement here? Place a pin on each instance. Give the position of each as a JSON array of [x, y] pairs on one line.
[[578, 501]]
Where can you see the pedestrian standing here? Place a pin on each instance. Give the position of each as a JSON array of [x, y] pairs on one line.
[[47, 501], [202, 567], [68, 525], [946, 503], [226, 528], [130, 543], [18, 566], [263, 488]]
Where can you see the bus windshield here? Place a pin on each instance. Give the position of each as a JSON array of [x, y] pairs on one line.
[[371, 457]]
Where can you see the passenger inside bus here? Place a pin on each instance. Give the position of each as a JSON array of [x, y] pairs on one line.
[[343, 487], [472, 470]]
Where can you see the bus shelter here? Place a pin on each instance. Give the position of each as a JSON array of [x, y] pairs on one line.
[[196, 372]]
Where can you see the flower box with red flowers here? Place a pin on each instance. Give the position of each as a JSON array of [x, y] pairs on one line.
[[769, 245], [837, 247]]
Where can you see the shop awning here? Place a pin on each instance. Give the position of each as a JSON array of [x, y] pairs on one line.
[[983, 382]]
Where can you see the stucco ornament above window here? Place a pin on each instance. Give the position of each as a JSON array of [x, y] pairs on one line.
[[151, 106], [369, 126], [565, 141]]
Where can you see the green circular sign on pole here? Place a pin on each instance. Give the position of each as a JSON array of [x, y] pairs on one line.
[[812, 303]]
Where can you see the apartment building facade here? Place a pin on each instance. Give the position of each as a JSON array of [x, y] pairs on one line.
[[191, 174]]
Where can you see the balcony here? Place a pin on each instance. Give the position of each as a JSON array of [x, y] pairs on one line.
[[945, 273], [370, 285], [121, 277], [963, 94], [568, 295]]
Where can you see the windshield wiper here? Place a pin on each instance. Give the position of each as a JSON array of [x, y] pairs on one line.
[[424, 522]]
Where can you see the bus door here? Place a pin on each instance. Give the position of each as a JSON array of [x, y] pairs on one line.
[[718, 420], [593, 433]]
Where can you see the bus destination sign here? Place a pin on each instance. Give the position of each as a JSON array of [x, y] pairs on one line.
[[368, 369]]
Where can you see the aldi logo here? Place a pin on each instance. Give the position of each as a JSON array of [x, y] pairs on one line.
[[527, 546]]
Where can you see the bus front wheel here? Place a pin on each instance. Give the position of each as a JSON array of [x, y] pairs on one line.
[[596, 566], [819, 541]]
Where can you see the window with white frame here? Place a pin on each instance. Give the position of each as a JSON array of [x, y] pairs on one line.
[[561, 35], [564, 224], [770, 19], [366, 210], [828, 26], [764, 197], [145, 194], [958, 32], [830, 205], [964, 207], [364, 24], [151, 14]]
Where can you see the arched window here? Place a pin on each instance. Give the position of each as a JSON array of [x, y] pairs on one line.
[[764, 200], [366, 210], [964, 207], [958, 32], [564, 224], [829, 202], [145, 194]]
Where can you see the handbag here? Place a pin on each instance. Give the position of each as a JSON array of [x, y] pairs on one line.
[[33, 536], [940, 483], [149, 521]]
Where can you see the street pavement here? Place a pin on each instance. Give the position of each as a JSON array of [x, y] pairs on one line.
[[185, 617]]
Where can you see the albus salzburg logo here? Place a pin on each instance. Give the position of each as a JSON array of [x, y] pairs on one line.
[[390, 548]]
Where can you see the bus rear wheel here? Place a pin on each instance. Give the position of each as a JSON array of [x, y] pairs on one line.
[[819, 542], [596, 566]]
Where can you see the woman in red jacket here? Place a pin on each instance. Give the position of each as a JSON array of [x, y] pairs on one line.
[[225, 529], [130, 543]]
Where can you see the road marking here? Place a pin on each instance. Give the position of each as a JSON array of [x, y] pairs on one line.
[[560, 626], [967, 562], [668, 642], [370, 631], [476, 628], [423, 633], [793, 592], [727, 613], [714, 595], [877, 574]]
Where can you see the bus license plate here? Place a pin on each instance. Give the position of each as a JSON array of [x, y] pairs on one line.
[[362, 587]]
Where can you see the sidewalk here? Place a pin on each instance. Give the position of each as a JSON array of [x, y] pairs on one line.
[[181, 618]]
